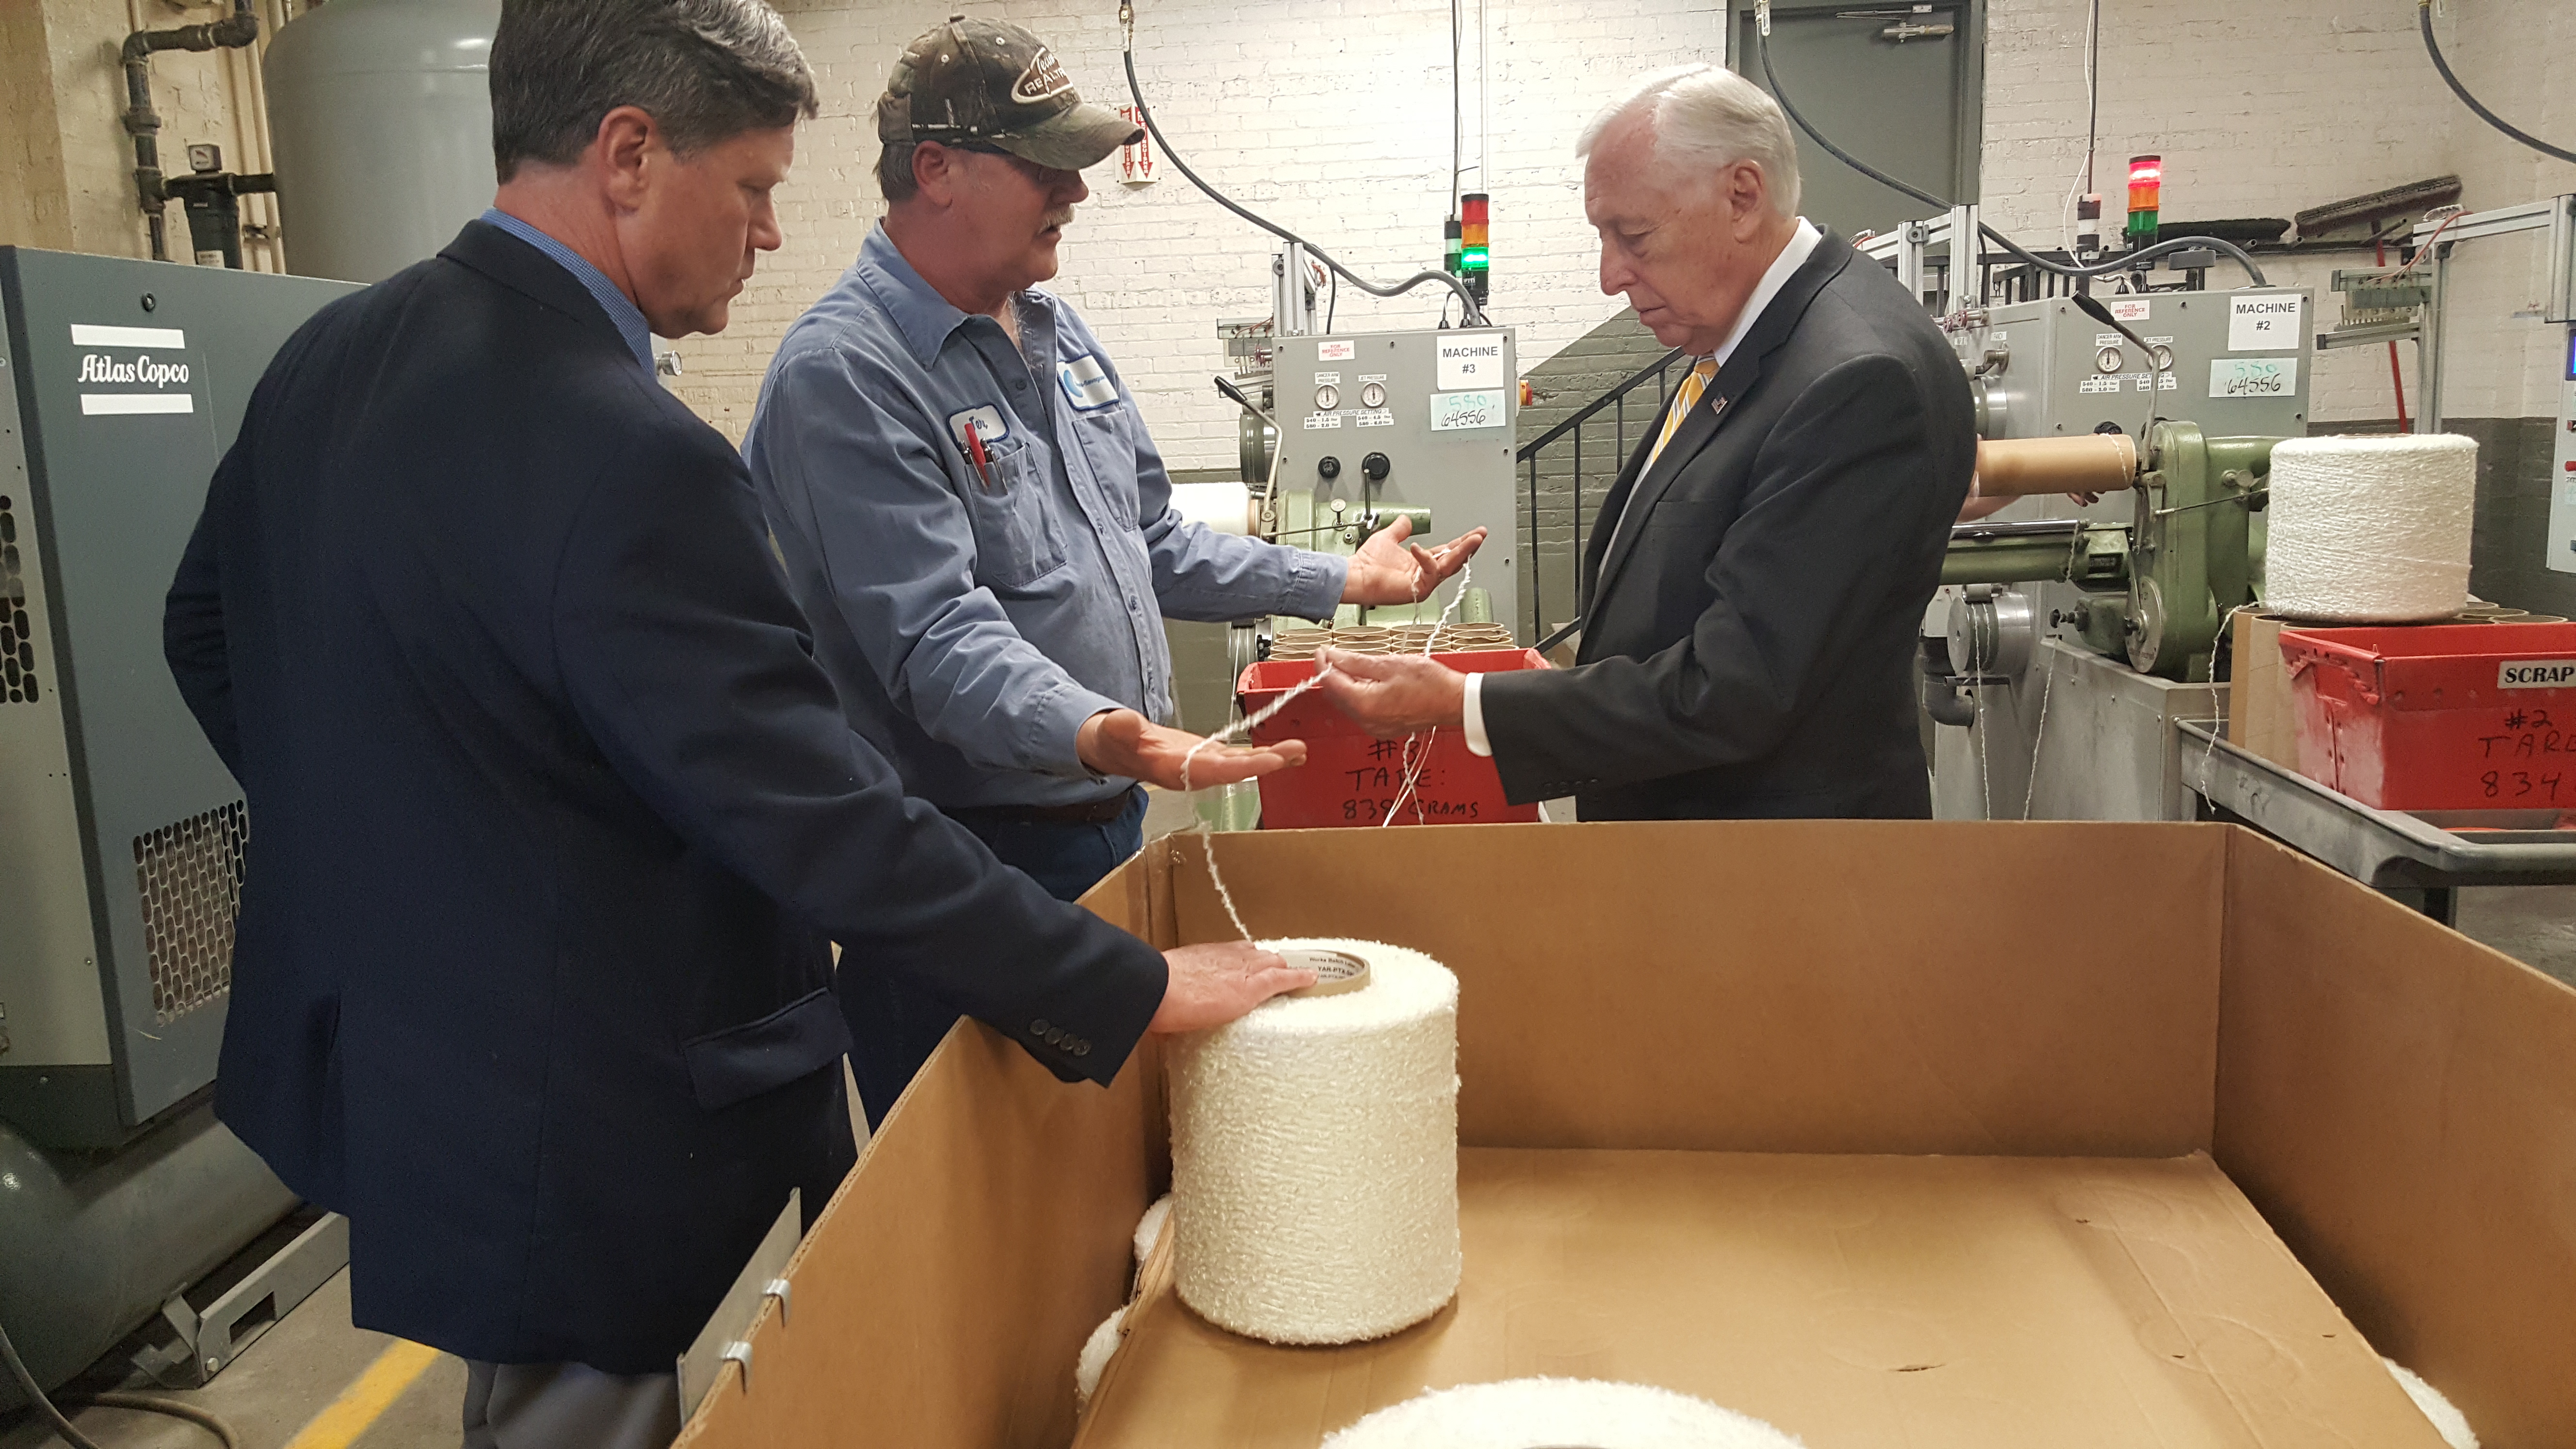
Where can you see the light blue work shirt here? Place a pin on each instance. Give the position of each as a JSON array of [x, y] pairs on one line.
[[973, 623], [621, 309]]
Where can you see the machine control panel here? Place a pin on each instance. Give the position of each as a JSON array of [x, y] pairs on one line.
[[1404, 420]]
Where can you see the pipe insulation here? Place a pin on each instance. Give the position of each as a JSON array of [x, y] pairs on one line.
[[2088, 463], [1544, 1413], [1315, 1157], [2371, 530]]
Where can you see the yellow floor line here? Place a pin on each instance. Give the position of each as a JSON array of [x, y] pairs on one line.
[[364, 1402]]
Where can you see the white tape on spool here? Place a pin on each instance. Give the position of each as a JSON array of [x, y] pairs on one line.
[[1225, 507], [1315, 1157], [2371, 530], [1547, 1413]]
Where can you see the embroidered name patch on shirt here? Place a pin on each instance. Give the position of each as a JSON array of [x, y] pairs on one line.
[[1087, 384], [988, 422]]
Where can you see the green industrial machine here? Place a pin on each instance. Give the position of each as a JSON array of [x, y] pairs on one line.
[[2155, 591]]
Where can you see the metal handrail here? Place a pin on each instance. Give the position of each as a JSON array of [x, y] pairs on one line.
[[1614, 398], [1529, 450]]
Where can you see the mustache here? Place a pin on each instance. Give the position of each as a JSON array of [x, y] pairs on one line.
[[1058, 219]]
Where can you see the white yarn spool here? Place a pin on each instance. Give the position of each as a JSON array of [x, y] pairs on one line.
[[1315, 1157], [1224, 507], [2448, 1421], [2371, 530], [1547, 1413]]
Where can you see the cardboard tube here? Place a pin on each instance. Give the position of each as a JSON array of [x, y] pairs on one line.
[[2092, 463]]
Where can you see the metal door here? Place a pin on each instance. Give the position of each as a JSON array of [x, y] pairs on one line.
[[1899, 86]]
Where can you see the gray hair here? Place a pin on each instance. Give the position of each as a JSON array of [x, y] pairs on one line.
[[1705, 118], [894, 172], [704, 70]]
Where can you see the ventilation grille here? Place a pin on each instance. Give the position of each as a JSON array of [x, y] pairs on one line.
[[190, 875], [17, 633]]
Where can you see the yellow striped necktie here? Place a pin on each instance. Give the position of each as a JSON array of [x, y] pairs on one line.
[[1693, 388]]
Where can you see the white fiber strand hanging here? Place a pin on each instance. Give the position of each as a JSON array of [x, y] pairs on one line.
[[2371, 530], [1551, 1413], [1315, 1157]]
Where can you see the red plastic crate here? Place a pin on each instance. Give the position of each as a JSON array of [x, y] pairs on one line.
[[1352, 778], [2438, 717]]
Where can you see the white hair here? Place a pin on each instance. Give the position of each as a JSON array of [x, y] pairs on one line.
[[1705, 118]]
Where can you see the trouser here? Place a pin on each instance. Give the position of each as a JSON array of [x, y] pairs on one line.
[[895, 1025], [567, 1406]]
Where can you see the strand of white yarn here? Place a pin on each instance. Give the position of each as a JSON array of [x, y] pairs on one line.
[[1414, 759], [1243, 727]]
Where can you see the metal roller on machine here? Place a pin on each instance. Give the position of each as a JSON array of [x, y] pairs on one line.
[[2154, 589]]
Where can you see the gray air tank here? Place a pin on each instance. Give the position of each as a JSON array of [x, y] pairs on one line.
[[381, 112]]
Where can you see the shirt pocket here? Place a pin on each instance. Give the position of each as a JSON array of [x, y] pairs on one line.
[[1017, 541]]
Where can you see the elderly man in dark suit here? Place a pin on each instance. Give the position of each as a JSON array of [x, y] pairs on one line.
[[1758, 576], [555, 814]]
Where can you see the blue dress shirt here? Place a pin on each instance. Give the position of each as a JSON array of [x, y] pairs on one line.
[[974, 618], [621, 308]]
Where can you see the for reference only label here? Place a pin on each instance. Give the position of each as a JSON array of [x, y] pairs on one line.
[[2536, 674], [2264, 323], [1469, 360], [1457, 411], [2131, 309], [1336, 351], [2254, 377]]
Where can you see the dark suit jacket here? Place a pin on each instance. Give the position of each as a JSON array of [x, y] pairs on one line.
[[1750, 631], [552, 815]]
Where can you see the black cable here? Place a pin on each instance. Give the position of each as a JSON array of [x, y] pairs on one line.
[[2130, 262], [1457, 114], [34, 1394], [2424, 15], [2092, 92], [1475, 315], [1332, 303]]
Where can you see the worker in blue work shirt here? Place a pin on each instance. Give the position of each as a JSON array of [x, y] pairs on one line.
[[972, 514]]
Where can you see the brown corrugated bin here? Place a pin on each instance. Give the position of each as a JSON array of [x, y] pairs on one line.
[[1949, 1136]]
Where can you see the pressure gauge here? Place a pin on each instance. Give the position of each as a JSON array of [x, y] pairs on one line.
[[2161, 356], [2108, 360], [1373, 395], [1327, 398]]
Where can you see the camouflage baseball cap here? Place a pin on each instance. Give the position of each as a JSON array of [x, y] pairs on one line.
[[991, 83]]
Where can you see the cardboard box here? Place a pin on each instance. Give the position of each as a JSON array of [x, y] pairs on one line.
[[2261, 717], [1888, 1133]]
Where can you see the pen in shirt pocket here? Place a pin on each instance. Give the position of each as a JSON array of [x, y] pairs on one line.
[[976, 455]]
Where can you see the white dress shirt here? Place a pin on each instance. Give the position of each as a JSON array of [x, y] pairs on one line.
[[1802, 242]]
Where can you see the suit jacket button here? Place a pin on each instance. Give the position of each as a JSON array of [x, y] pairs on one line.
[[1039, 1026], [1082, 1048]]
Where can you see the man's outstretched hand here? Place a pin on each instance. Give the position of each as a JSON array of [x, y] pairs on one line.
[[1392, 695], [1123, 742], [1212, 985], [1390, 570]]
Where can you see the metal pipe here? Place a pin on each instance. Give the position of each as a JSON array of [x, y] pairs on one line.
[[144, 124]]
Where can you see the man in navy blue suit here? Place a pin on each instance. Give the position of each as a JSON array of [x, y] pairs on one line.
[[556, 814]]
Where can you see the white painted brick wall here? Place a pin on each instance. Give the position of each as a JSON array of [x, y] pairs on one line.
[[1330, 116]]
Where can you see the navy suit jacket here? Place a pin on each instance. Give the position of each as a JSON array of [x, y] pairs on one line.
[[1750, 627], [553, 817]]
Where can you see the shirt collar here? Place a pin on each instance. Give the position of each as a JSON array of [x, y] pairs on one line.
[[1802, 244], [925, 318], [621, 309]]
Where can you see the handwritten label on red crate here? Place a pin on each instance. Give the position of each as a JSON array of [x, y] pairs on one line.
[[2530, 761], [1373, 789]]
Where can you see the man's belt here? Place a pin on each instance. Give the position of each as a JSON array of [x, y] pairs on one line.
[[1089, 812]]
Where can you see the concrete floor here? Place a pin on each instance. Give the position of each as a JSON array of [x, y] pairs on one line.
[[296, 1371]]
